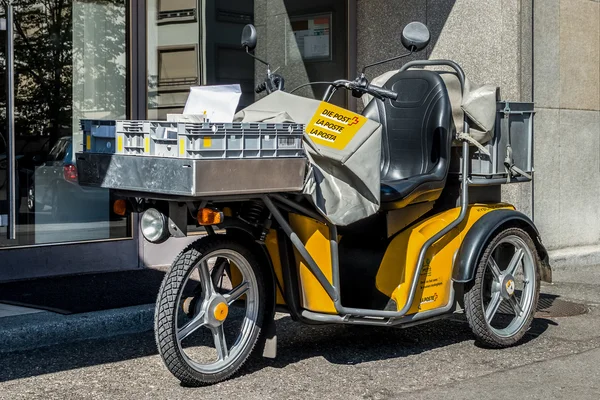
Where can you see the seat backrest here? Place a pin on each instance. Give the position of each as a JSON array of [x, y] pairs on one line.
[[417, 127]]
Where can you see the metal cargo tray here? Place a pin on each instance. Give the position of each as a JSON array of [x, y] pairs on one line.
[[191, 178]]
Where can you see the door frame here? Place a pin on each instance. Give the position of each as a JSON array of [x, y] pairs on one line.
[[28, 262]]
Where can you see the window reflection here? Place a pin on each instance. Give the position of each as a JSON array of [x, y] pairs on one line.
[[70, 63]]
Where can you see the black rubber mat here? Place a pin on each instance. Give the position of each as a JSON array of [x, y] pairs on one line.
[[85, 293]]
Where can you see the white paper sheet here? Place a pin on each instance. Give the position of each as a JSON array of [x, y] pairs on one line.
[[185, 118], [218, 103]]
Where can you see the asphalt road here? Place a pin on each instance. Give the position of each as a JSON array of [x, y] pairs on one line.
[[559, 359]]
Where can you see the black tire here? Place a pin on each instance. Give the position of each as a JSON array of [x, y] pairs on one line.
[[475, 308], [165, 321]]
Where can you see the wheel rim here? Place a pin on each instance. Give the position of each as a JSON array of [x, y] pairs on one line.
[[509, 286], [211, 310]]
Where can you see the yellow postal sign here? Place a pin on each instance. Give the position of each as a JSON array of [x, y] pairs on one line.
[[333, 126]]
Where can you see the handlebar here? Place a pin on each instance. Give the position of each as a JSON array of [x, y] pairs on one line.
[[360, 87], [381, 92], [261, 88], [272, 83]]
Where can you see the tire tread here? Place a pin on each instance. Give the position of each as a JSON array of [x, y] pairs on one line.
[[165, 317]]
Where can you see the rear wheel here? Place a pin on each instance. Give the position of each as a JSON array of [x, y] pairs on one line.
[[210, 311], [501, 302]]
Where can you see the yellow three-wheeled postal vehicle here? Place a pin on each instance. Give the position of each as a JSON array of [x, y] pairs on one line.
[[386, 218]]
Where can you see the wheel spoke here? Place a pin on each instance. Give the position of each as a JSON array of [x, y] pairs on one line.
[[191, 327], [515, 262], [218, 270], [492, 308], [236, 293], [495, 269], [515, 305], [220, 342], [206, 279]]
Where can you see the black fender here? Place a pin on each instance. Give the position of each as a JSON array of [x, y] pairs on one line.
[[481, 233], [260, 250]]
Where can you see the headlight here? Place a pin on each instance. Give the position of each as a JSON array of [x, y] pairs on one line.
[[154, 226]]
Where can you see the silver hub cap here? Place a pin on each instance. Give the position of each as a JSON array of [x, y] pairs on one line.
[[224, 295], [509, 286]]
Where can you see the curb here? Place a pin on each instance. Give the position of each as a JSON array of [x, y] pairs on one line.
[[574, 257], [26, 332]]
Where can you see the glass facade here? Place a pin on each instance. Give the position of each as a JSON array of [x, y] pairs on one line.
[[70, 64], [73, 62]]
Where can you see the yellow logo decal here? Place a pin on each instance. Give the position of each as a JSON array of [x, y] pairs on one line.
[[333, 126]]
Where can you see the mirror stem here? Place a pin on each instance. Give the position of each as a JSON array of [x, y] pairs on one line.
[[258, 59], [386, 61]]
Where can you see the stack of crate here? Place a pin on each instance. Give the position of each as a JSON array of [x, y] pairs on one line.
[[196, 140]]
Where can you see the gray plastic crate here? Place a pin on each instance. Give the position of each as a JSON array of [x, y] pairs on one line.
[[98, 135], [148, 138], [514, 133], [133, 137], [241, 140], [209, 140]]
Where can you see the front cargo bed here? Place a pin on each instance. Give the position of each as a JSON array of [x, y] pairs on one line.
[[191, 178]]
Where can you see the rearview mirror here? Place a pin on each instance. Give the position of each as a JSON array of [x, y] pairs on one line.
[[415, 36], [249, 37]]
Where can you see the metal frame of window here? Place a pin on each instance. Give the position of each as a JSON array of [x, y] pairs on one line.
[[59, 258]]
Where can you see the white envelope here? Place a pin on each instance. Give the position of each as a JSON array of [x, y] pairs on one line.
[[218, 103], [185, 118]]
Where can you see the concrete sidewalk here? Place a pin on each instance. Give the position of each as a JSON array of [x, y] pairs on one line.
[[567, 377], [34, 330], [30, 331], [558, 359]]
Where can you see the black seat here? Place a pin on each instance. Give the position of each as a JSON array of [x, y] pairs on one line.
[[417, 137]]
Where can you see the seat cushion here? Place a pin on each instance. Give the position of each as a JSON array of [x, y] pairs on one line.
[[416, 136], [393, 191]]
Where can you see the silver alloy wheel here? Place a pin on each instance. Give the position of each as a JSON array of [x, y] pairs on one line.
[[210, 301], [512, 290]]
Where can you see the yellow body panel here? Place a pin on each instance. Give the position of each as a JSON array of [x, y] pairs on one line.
[[236, 276], [273, 249], [399, 262], [315, 237]]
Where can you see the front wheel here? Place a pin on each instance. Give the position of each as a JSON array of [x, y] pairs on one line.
[[210, 311], [502, 300]]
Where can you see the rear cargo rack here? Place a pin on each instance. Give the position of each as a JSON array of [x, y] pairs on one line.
[[510, 158]]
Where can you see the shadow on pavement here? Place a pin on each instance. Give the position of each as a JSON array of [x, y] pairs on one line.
[[338, 344], [352, 345]]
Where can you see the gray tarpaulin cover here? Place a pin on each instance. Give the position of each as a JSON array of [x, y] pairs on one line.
[[344, 185], [477, 102]]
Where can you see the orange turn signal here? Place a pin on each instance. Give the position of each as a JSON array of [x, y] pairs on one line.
[[120, 207], [209, 216]]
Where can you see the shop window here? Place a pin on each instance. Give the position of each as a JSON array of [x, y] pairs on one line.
[[178, 67], [171, 11]]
